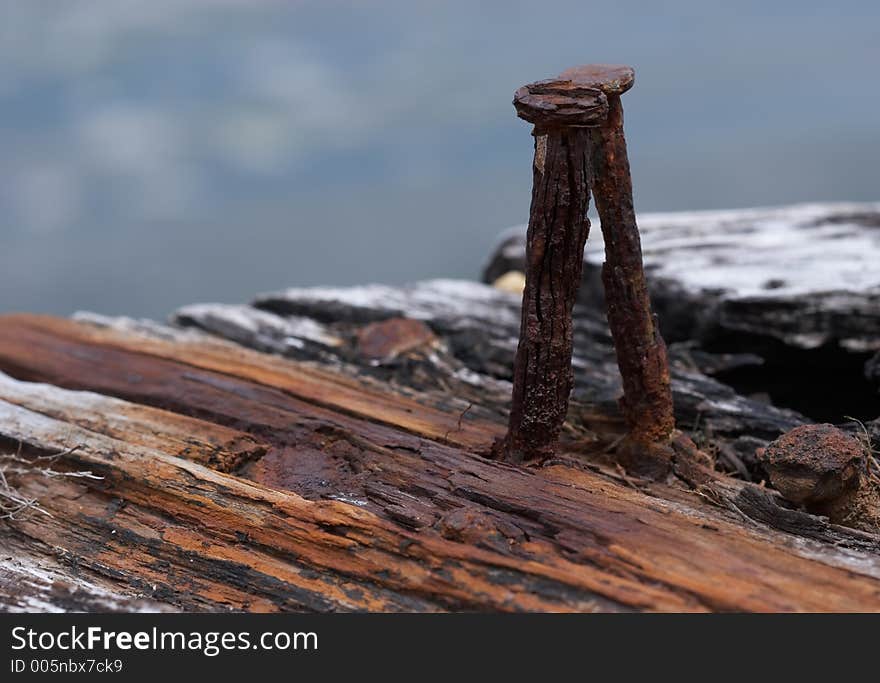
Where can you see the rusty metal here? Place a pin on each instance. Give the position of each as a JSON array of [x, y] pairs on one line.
[[828, 472], [558, 229], [641, 353], [579, 142]]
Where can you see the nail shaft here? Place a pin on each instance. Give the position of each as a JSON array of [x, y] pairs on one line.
[[558, 229], [641, 352]]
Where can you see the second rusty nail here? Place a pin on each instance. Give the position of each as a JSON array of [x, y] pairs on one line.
[[641, 353]]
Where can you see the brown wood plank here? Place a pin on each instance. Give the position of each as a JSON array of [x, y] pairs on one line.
[[438, 527], [83, 356], [205, 442]]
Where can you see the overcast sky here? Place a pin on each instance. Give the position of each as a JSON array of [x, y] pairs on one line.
[[164, 152]]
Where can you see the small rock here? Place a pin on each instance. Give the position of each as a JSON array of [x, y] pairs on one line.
[[825, 470], [814, 463]]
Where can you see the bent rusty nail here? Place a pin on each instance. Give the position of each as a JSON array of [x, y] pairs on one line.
[[641, 353], [557, 232]]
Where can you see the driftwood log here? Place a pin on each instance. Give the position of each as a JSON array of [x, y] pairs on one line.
[[325, 450]]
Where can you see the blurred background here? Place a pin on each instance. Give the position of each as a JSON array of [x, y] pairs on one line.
[[162, 152]]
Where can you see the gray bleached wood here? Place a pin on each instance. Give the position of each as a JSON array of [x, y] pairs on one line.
[[36, 578], [805, 274]]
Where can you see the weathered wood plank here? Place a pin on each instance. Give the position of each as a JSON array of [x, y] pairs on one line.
[[119, 363], [332, 539], [429, 524], [210, 444]]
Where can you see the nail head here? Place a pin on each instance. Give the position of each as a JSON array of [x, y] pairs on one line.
[[611, 79], [556, 102]]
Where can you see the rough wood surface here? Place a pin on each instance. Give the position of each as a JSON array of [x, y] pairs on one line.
[[40, 578], [307, 474]]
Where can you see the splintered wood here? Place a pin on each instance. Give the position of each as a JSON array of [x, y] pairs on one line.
[[318, 478]]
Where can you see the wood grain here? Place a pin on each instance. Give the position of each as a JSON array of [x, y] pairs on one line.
[[233, 479]]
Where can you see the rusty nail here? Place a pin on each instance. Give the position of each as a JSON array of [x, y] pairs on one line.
[[557, 232], [641, 353], [579, 142]]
